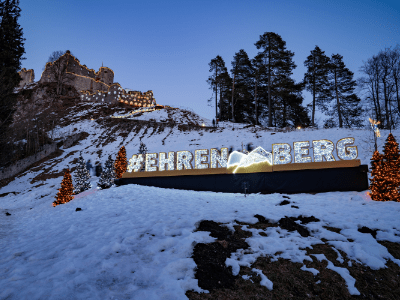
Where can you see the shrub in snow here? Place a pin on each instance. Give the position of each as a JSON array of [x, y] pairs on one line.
[[82, 177], [143, 150], [108, 175]]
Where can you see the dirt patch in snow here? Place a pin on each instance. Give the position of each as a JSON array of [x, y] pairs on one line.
[[289, 281]]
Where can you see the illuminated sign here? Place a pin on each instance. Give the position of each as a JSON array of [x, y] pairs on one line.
[[297, 155]]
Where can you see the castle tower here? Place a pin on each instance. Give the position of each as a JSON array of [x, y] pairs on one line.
[[28, 76], [106, 75]]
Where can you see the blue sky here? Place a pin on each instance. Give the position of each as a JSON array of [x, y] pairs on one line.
[[165, 46]]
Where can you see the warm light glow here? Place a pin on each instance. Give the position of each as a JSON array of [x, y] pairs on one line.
[[374, 126], [385, 173]]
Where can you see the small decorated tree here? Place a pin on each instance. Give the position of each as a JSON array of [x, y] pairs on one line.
[[82, 177], [385, 182], [391, 166], [64, 194], [108, 175], [378, 181], [121, 163]]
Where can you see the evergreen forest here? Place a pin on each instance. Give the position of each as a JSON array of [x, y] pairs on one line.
[[261, 90]]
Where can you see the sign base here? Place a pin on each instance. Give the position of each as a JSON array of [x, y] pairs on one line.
[[288, 182]]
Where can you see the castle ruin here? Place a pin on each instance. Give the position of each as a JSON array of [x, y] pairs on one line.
[[28, 76], [93, 86]]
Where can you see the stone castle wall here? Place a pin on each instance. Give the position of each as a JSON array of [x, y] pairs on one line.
[[95, 86], [117, 94], [28, 76]]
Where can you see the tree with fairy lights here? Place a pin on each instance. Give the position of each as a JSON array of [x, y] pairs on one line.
[[391, 163], [108, 175], [385, 183], [82, 177], [378, 182], [120, 162], [64, 194]]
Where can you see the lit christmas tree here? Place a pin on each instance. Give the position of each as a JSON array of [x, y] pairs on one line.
[[385, 183], [391, 167], [108, 175], [64, 194], [120, 162], [378, 181], [82, 177]]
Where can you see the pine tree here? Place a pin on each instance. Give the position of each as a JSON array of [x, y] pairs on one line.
[[278, 66], [257, 67], [11, 51], [82, 177], [65, 193], [391, 163], [316, 78], [217, 67], [346, 110], [289, 111], [242, 106], [121, 163], [225, 96], [108, 175]]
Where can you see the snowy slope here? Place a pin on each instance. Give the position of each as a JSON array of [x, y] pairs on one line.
[[136, 242]]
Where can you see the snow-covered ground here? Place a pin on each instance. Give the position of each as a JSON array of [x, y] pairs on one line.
[[136, 242]]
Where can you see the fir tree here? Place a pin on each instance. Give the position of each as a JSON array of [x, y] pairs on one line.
[[378, 181], [11, 51], [385, 182], [217, 67], [242, 106], [346, 110], [316, 78], [278, 65], [108, 175], [283, 95], [225, 96], [82, 177], [391, 167], [121, 163], [257, 67], [64, 194]]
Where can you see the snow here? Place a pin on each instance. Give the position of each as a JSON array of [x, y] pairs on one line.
[[264, 279], [312, 270], [350, 281], [136, 242]]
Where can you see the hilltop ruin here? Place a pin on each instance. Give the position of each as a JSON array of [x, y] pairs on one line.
[[92, 86]]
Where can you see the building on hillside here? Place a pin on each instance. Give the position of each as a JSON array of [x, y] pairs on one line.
[[94, 86], [28, 76]]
